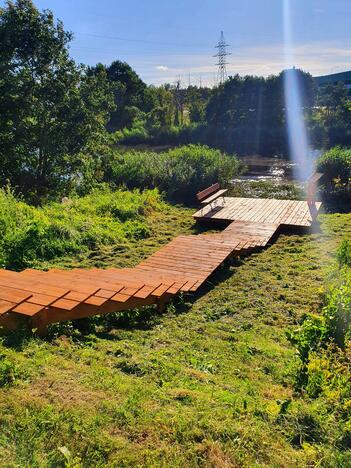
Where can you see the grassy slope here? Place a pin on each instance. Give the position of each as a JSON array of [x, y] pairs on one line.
[[207, 384]]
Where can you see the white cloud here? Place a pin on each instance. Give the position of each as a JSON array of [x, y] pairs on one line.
[[161, 68]]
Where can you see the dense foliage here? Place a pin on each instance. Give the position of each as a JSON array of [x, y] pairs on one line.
[[246, 115], [180, 172], [330, 122], [129, 92], [50, 110], [335, 164], [335, 188], [30, 236]]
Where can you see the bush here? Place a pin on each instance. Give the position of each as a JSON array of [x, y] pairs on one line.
[[180, 172], [336, 167], [30, 235], [135, 135]]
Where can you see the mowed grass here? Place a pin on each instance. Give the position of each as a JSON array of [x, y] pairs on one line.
[[209, 383]]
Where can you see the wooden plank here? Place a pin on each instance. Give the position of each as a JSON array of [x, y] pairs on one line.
[[65, 304], [180, 274], [214, 197], [184, 259], [77, 296], [13, 295], [6, 306], [106, 293], [160, 290], [120, 297], [15, 280], [96, 301], [27, 309], [42, 299], [56, 279], [207, 191], [145, 291]]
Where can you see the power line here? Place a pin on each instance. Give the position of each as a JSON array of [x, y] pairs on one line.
[[222, 62], [143, 41]]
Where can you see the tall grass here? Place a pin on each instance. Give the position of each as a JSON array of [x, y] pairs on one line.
[[30, 235], [180, 172]]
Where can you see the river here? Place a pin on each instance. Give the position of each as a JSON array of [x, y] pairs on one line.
[[260, 168]]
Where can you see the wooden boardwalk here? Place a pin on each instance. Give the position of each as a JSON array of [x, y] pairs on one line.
[[38, 298], [261, 210]]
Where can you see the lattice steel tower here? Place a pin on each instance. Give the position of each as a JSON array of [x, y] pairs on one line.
[[222, 61]]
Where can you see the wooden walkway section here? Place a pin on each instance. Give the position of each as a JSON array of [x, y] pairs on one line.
[[37, 298], [261, 210]]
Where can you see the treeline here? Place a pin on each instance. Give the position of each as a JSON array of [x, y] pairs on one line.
[[61, 124], [245, 115], [58, 119]]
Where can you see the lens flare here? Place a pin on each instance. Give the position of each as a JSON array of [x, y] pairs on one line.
[[296, 128]]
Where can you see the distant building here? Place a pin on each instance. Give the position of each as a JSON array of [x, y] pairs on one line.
[[343, 77]]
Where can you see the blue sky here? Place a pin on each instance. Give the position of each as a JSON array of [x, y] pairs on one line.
[[164, 39]]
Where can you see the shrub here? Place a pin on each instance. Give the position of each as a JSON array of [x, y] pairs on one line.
[[336, 167], [180, 172], [134, 135]]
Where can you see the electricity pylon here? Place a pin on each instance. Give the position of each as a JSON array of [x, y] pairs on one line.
[[222, 61]]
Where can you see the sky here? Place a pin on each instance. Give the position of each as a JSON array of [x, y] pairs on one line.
[[167, 39]]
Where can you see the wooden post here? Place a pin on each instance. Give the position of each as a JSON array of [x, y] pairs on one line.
[[162, 304]]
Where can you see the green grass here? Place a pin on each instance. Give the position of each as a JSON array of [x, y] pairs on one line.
[[209, 383], [100, 229]]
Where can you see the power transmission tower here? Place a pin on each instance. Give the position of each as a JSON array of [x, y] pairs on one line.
[[222, 61]]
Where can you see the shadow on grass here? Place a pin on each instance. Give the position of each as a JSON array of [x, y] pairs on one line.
[[338, 202], [84, 330], [17, 339]]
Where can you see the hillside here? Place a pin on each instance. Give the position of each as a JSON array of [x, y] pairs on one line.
[[208, 383]]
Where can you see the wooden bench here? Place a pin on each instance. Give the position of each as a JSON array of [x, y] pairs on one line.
[[210, 194]]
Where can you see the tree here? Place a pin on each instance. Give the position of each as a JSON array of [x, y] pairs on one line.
[[129, 93], [160, 116], [197, 99], [333, 118], [235, 111], [50, 109], [247, 114]]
